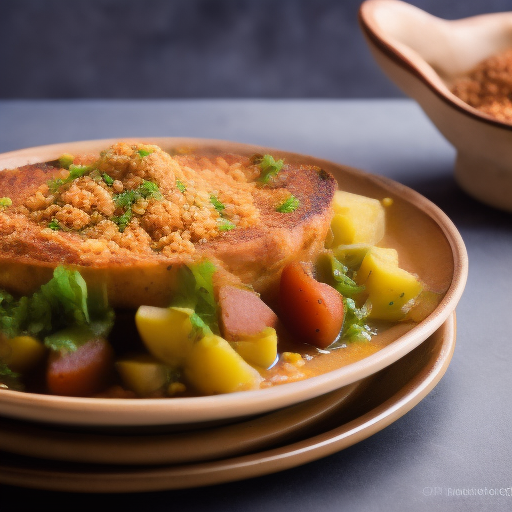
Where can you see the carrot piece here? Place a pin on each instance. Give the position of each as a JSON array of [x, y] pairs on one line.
[[83, 372], [311, 311]]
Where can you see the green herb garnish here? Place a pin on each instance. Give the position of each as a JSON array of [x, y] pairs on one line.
[[217, 204], [107, 179], [54, 224], [75, 172], [269, 168], [149, 190], [226, 225], [354, 326], [289, 205], [144, 152], [5, 202], [126, 199], [181, 186], [123, 220]]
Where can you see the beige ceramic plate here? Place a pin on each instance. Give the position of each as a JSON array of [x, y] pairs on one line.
[[390, 394], [423, 55], [428, 244], [152, 446]]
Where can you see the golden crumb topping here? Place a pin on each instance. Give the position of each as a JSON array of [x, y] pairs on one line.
[[139, 198]]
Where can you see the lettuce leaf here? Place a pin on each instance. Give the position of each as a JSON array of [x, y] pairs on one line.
[[195, 290], [60, 304]]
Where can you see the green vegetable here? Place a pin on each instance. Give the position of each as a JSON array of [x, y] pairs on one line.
[[54, 224], [289, 205], [75, 172], [181, 186], [269, 168], [333, 272], [123, 220], [149, 190], [217, 204], [144, 152], [226, 225], [9, 379], [5, 202], [127, 198], [66, 160], [107, 179], [195, 291], [60, 304], [354, 325]]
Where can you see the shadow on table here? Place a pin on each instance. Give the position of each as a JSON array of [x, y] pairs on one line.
[[462, 209]]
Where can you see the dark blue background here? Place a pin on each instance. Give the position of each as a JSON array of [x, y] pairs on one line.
[[195, 48]]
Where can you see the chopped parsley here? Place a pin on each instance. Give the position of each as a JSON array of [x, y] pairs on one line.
[[127, 198], [269, 168], [75, 172], [149, 190], [289, 205], [226, 225], [5, 202], [107, 179], [123, 220], [54, 224], [217, 204], [144, 152], [181, 186]]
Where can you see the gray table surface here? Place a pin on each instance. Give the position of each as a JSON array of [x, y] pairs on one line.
[[459, 436]]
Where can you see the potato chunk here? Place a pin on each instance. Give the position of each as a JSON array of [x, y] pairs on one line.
[[259, 349], [143, 374], [214, 367], [357, 219], [391, 290], [21, 353], [166, 332]]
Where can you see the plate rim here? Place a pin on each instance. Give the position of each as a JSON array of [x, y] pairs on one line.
[[139, 412]]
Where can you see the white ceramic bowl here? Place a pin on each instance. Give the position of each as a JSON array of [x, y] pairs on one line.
[[428, 244], [423, 55]]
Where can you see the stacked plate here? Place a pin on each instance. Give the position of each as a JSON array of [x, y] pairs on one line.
[[129, 445]]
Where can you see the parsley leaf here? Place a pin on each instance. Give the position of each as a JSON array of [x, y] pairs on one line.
[[54, 224], [289, 205], [107, 179], [225, 225], [217, 204], [75, 172], [149, 190], [123, 220], [127, 198], [5, 202], [144, 152], [269, 168]]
